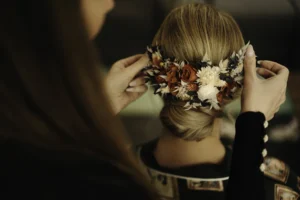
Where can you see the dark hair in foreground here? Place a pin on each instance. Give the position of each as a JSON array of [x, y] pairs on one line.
[[51, 91]]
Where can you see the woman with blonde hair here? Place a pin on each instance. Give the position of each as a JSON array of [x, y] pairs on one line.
[[197, 59]]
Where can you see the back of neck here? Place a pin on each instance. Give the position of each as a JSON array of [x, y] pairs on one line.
[[174, 152]]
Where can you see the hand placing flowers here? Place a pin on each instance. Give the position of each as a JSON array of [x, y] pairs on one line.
[[123, 83]]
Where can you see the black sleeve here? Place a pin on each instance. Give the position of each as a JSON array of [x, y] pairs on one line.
[[246, 180]]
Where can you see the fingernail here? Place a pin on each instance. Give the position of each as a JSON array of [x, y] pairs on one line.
[[250, 51], [133, 83], [259, 62], [129, 90]]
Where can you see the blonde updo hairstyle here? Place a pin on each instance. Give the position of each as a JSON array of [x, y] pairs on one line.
[[187, 33]]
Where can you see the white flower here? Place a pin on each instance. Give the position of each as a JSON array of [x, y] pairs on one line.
[[223, 66], [206, 59], [182, 93], [208, 92], [189, 106], [210, 76], [241, 52]]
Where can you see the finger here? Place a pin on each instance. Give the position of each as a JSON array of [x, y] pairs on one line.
[[139, 89], [137, 82], [265, 73], [129, 61], [135, 68], [275, 68], [250, 63], [283, 99]]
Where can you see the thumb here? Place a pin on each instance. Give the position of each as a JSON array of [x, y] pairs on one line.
[[135, 68], [250, 63]]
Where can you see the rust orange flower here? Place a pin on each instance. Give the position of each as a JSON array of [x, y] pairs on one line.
[[172, 74], [189, 74], [192, 87]]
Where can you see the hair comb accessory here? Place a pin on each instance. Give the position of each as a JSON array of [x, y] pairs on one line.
[[199, 84]]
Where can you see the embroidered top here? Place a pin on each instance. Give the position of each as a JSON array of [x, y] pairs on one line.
[[209, 181]]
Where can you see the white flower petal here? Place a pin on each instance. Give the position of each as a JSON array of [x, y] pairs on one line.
[[183, 83], [187, 104], [182, 93], [165, 90], [208, 92], [163, 85], [188, 107], [210, 76], [223, 66], [182, 64], [150, 49], [195, 105], [238, 78], [205, 58], [232, 55], [176, 64], [150, 72], [215, 106], [163, 76]]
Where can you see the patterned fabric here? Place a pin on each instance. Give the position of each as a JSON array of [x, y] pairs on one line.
[[276, 169], [283, 192], [210, 181]]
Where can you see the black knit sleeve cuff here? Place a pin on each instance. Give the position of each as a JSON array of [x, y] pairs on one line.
[[250, 119], [247, 158]]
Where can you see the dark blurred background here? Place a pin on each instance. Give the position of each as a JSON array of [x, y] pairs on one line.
[[273, 28]]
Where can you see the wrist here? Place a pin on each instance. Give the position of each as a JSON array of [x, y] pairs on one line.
[[252, 110], [115, 107]]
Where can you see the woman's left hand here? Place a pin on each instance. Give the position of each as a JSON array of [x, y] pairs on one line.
[[124, 83]]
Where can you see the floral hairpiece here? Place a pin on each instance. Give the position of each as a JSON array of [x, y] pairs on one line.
[[199, 84]]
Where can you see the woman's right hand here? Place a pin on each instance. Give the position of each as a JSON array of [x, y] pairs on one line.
[[263, 95], [123, 83]]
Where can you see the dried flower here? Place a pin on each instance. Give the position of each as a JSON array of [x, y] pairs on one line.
[[172, 74], [189, 105], [237, 70], [223, 66], [210, 76], [192, 87], [208, 92], [157, 59], [182, 92], [200, 84], [173, 89], [189, 74]]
